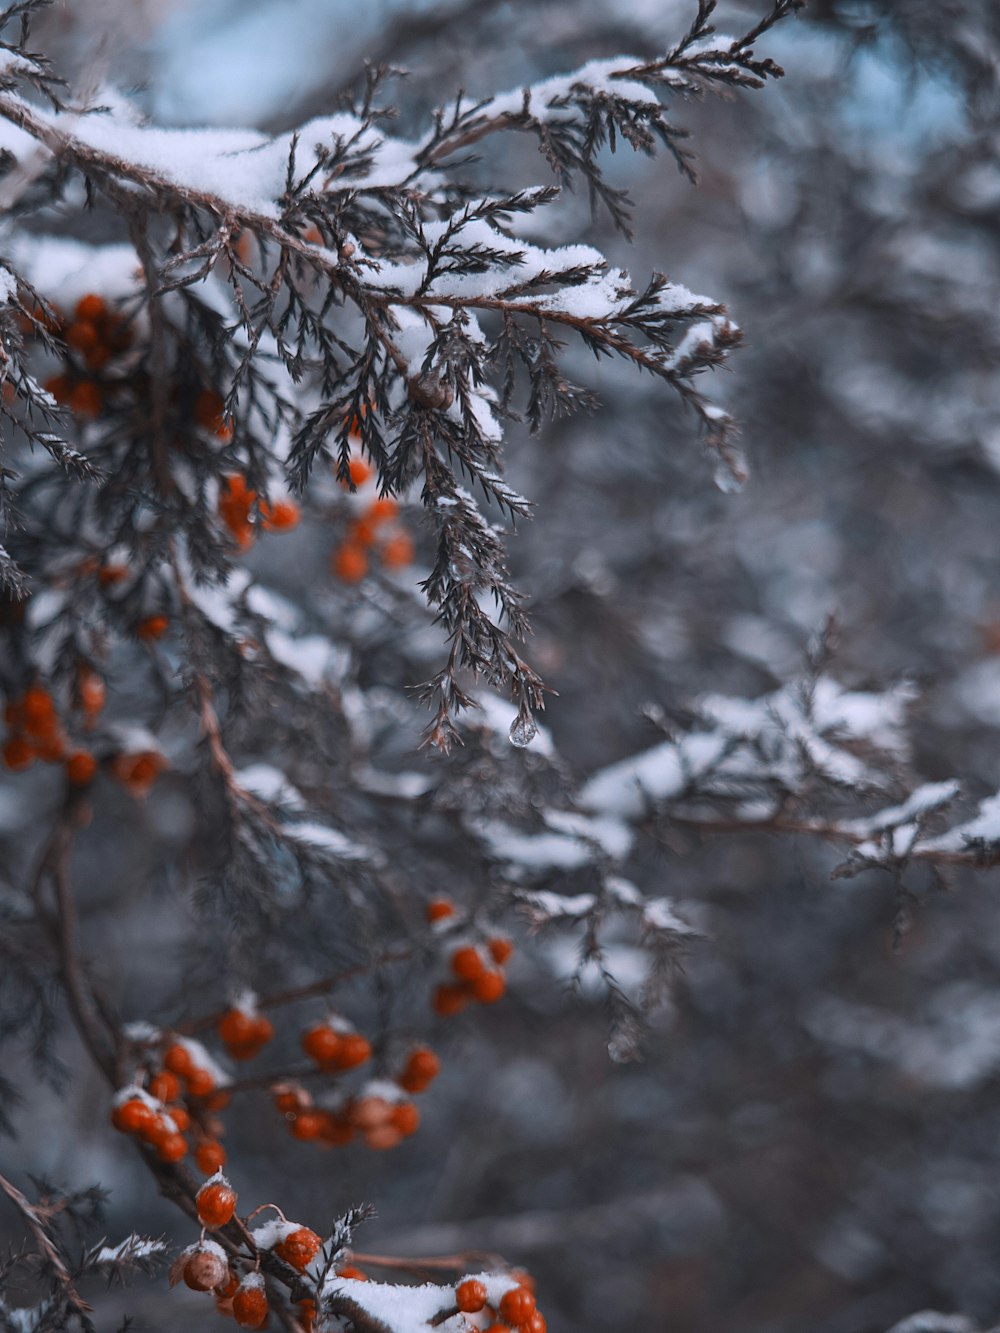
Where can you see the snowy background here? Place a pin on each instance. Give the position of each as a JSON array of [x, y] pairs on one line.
[[813, 1138]]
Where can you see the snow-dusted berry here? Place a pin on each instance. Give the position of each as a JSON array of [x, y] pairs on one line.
[[470, 1295], [216, 1201]]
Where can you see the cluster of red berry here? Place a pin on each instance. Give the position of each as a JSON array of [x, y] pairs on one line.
[[244, 1031], [236, 509], [157, 1115], [376, 530], [475, 965], [516, 1307], [94, 336], [36, 732], [381, 1114]]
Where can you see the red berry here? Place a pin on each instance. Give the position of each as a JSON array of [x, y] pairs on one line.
[[322, 1044], [205, 1270], [91, 307], [517, 1306], [449, 999], [81, 768], [165, 1086], [467, 963], [307, 1125], [470, 1295], [349, 1271], [299, 1248], [500, 949], [406, 1118], [354, 1050], [438, 909], [216, 1203], [180, 1118], [250, 1302], [152, 628], [133, 1116], [172, 1148], [237, 1028], [200, 1083], [489, 987], [210, 1156]]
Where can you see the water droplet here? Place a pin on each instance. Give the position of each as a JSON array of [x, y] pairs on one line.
[[730, 479], [522, 730]]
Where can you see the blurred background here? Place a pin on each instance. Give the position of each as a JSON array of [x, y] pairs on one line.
[[812, 1141]]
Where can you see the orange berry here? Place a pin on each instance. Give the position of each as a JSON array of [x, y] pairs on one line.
[[237, 1028], [91, 307], [172, 1148], [354, 1050], [307, 1315], [92, 691], [288, 1099], [322, 1044], [360, 471], [158, 1129], [200, 1083], [405, 1118], [449, 999], [299, 1248], [250, 1302], [82, 335], [210, 1156], [216, 1203], [470, 1295], [38, 710], [165, 1086], [81, 768], [517, 1306], [523, 1279], [152, 628], [500, 949], [354, 1274], [306, 1126], [180, 1117], [423, 1064], [350, 564], [397, 553], [536, 1324], [51, 745], [86, 399], [467, 963], [60, 387], [438, 909], [282, 516], [18, 753], [205, 1270], [263, 1030], [133, 1116], [385, 507], [178, 1060], [218, 1101], [489, 987]]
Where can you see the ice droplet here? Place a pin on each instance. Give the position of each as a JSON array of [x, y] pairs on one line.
[[522, 730], [729, 479]]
